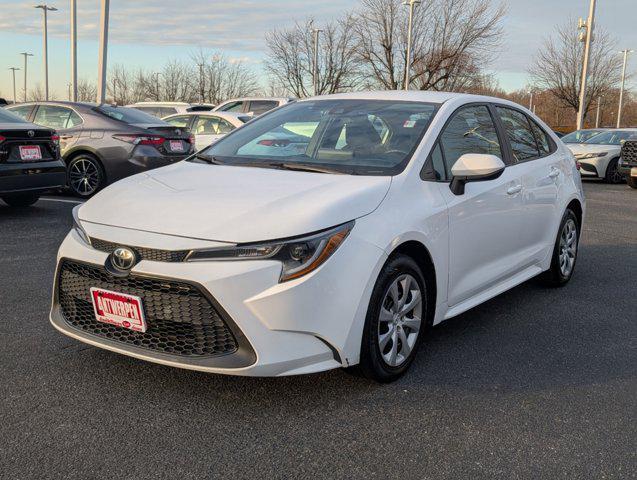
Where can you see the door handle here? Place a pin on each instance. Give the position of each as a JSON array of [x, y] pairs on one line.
[[554, 173], [65, 137], [514, 190]]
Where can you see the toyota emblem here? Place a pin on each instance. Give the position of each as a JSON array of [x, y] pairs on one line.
[[31, 133], [123, 258]]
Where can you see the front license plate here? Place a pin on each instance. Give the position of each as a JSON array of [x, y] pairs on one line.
[[176, 146], [31, 152], [118, 309]]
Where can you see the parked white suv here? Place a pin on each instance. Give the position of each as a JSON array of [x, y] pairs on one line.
[[252, 105], [393, 212]]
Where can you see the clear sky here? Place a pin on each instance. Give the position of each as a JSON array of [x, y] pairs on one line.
[[146, 33]]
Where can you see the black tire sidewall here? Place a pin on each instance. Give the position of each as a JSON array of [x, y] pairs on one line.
[[95, 162], [372, 364], [612, 167], [555, 272], [20, 199]]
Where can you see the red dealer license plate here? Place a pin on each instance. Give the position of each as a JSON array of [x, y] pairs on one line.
[[30, 152], [176, 146], [118, 309]]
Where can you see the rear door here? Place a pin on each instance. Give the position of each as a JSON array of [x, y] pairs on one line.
[[64, 120], [535, 157], [484, 222]]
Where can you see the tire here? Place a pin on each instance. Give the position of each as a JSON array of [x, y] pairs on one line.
[[564, 252], [85, 175], [391, 330], [613, 175], [21, 199], [631, 181]]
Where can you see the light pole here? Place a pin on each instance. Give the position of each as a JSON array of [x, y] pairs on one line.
[[26, 56], [103, 49], [45, 9], [621, 90], [588, 27], [531, 100], [202, 85], [412, 4], [316, 33], [13, 69], [73, 96], [599, 107]]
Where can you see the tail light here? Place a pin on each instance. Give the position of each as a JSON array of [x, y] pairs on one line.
[[141, 139], [55, 138], [273, 142], [191, 139], [2, 139]]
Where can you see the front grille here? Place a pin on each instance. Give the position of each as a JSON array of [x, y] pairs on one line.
[[144, 253], [629, 151], [180, 319]]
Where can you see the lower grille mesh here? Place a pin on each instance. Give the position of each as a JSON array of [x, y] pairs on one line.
[[180, 319]]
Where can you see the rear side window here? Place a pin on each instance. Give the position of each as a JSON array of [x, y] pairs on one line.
[[542, 138], [58, 118], [259, 107], [232, 107], [165, 111], [23, 111], [470, 130], [181, 121], [518, 130]]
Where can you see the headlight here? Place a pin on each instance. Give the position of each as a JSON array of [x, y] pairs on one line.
[[583, 156], [298, 256], [77, 226]]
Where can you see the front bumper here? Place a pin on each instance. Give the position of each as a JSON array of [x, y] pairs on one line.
[[627, 168], [307, 325], [31, 177], [594, 167]]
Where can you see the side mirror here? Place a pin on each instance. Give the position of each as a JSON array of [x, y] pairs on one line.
[[474, 167]]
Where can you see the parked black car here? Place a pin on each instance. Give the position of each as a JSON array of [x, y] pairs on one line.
[[627, 164], [30, 160], [104, 143]]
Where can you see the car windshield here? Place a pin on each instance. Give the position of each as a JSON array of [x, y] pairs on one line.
[[128, 115], [612, 137], [359, 137], [580, 136], [10, 117]]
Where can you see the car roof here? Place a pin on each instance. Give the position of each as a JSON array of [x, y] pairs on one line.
[[57, 102], [277, 99], [208, 113], [153, 104]]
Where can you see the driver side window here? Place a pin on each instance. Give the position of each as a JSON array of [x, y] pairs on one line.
[[470, 130]]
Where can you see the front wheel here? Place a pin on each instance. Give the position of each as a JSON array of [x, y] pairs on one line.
[[21, 199], [613, 175], [564, 252], [396, 321]]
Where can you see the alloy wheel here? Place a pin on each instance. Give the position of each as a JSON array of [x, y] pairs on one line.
[[84, 177], [568, 247], [400, 320]]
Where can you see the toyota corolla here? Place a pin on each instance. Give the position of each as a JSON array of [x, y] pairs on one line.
[[394, 211]]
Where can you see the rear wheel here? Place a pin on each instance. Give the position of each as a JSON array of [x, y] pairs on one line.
[[564, 252], [632, 182], [396, 321], [85, 175], [20, 199], [612, 174]]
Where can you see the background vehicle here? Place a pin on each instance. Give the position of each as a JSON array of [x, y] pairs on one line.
[[208, 127], [102, 143], [598, 156], [580, 136], [403, 210], [628, 162], [252, 105], [163, 109], [30, 160]]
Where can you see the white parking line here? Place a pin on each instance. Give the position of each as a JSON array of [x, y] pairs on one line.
[[63, 200]]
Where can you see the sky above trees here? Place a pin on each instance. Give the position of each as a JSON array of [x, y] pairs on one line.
[[147, 34]]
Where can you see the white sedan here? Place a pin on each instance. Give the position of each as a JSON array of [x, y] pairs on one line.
[[403, 209], [208, 127], [599, 155]]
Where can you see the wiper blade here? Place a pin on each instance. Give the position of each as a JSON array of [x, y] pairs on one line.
[[209, 159], [306, 168]]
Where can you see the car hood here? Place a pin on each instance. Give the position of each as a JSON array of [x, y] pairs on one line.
[[234, 204], [579, 148]]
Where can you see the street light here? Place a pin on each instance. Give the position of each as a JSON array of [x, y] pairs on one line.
[[316, 32], [412, 4], [621, 90], [13, 69], [73, 96], [587, 34], [45, 9], [26, 56], [599, 108]]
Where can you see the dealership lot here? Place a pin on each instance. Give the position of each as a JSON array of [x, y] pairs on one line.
[[535, 383]]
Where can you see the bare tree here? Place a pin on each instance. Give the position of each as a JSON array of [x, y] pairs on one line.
[[177, 82], [222, 78], [452, 40], [36, 94], [86, 91], [290, 58], [558, 66]]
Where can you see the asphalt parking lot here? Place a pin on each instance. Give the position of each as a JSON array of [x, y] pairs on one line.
[[535, 383]]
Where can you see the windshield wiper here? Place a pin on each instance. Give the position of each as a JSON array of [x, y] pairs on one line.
[[306, 168], [209, 159]]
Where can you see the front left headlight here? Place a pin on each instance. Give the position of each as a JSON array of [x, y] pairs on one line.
[[298, 256], [77, 225], [584, 156]]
